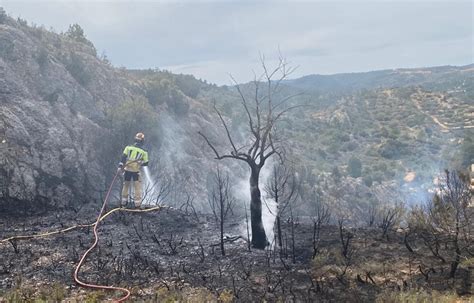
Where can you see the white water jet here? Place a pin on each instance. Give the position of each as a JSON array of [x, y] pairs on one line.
[[269, 212], [149, 180], [149, 188], [269, 206]]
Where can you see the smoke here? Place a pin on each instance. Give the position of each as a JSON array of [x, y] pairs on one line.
[[173, 138], [269, 212], [269, 206], [422, 187], [416, 193]]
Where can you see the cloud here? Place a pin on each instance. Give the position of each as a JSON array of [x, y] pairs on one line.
[[213, 39]]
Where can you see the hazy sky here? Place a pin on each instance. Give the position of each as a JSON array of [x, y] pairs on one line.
[[212, 39]]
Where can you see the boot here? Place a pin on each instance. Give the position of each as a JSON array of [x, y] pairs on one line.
[[125, 190]]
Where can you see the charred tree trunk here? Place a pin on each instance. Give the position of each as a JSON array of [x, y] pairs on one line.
[[457, 259], [293, 248], [280, 242], [222, 228], [263, 109], [221, 202], [259, 238], [278, 222]]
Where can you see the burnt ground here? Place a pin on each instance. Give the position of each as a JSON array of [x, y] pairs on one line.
[[169, 255]]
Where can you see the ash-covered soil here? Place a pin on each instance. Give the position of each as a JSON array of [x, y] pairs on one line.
[[170, 255]]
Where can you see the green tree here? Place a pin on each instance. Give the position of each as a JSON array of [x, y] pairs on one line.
[[368, 180], [158, 91], [354, 167], [336, 174], [130, 117], [189, 85], [3, 16], [393, 149], [76, 32]]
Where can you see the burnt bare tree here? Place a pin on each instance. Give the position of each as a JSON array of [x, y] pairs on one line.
[[347, 249], [282, 188], [390, 216], [321, 216], [221, 201], [446, 221], [188, 206], [158, 192], [345, 237], [264, 105], [371, 215], [293, 222]]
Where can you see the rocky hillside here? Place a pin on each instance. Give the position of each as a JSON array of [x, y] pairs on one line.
[[66, 114], [48, 114]]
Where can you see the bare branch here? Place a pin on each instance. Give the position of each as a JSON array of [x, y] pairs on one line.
[[218, 156], [244, 103], [229, 137]]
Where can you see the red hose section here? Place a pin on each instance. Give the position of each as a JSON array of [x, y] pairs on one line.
[[78, 267]]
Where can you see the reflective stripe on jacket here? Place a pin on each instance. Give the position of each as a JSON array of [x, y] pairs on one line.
[[134, 157]]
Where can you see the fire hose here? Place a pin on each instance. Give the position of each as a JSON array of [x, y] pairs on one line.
[[100, 217], [50, 233], [96, 236]]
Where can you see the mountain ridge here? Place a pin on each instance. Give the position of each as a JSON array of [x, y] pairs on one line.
[[349, 82]]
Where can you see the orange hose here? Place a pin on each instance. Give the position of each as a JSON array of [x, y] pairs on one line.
[[78, 267]]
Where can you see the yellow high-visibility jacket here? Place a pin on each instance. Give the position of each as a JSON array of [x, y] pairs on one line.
[[133, 158]]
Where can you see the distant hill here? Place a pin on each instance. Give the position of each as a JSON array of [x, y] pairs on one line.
[[442, 77]]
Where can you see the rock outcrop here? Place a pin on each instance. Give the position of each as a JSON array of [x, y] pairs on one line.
[[49, 120]]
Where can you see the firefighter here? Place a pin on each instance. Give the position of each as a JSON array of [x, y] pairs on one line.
[[133, 158]]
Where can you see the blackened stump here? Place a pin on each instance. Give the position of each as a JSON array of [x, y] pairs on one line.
[[259, 238]]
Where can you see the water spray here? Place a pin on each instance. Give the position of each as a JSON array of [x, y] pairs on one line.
[[269, 213], [150, 184], [149, 179], [269, 206]]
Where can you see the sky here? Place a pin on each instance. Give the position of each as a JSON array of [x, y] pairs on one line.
[[215, 39]]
